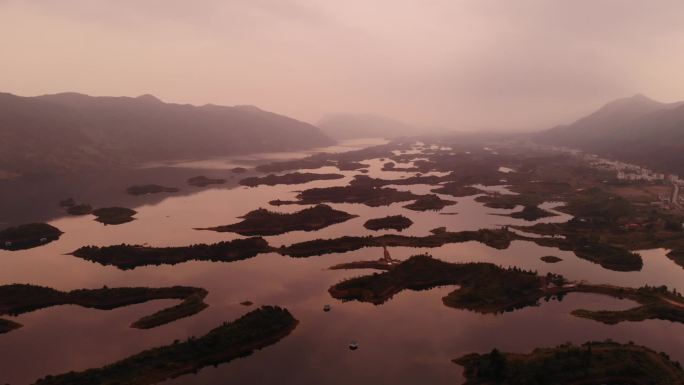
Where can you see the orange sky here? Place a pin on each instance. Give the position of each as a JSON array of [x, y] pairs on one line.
[[475, 64]]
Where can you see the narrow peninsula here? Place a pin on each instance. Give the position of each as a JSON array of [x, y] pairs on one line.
[[253, 331]]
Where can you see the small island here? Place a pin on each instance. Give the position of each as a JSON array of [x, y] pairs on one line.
[[457, 189], [608, 256], [126, 256], [531, 213], [68, 202], [350, 165], [293, 178], [551, 259], [203, 181], [28, 236], [677, 256], [655, 303], [368, 195], [265, 222], [487, 288], [484, 287], [80, 209], [394, 222], [18, 299], [429, 202], [146, 189], [114, 215], [508, 201], [496, 238], [7, 326], [253, 331], [591, 363]]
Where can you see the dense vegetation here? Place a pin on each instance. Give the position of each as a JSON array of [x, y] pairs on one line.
[[551, 259], [203, 181], [395, 222], [457, 189], [484, 287], [531, 213], [487, 288], [293, 178], [114, 215], [265, 222], [17, 299], [7, 325], [28, 236], [254, 330], [429, 202], [497, 238], [655, 303], [568, 364], [80, 209], [126, 256], [365, 194]]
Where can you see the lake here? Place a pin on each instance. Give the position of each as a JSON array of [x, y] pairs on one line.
[[410, 339]]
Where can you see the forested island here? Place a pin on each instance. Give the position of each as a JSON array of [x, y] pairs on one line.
[[80, 209], [364, 194], [484, 287], [429, 202], [394, 222], [551, 259], [20, 298], [203, 181], [496, 238], [293, 178], [590, 363], [114, 215], [531, 213], [253, 331], [126, 256], [28, 236], [265, 222], [487, 288]]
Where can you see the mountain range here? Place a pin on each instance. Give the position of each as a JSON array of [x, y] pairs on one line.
[[69, 132], [636, 129]]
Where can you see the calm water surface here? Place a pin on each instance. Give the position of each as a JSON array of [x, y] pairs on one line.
[[410, 339]]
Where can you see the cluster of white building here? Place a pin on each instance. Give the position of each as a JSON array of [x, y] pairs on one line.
[[627, 171], [632, 172]]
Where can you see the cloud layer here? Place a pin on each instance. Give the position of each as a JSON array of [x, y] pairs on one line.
[[476, 64]]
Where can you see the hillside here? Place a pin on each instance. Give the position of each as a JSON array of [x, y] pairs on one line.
[[635, 129], [72, 132], [352, 126]]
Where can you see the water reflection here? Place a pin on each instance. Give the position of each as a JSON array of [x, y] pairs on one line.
[[410, 339]]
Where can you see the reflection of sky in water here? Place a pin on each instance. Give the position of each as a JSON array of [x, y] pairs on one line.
[[251, 159], [410, 339]]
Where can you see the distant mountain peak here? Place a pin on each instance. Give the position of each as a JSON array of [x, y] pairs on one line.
[[636, 99], [74, 132], [149, 98], [636, 128], [248, 107]]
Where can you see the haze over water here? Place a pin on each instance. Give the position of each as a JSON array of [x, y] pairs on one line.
[[410, 338], [160, 113]]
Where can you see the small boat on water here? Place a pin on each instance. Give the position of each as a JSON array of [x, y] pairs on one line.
[[353, 345], [327, 308]]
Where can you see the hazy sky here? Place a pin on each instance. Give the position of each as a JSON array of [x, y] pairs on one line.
[[457, 64]]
